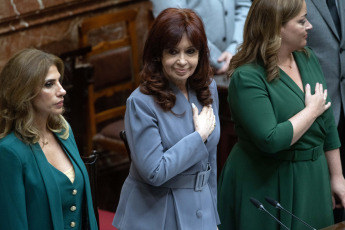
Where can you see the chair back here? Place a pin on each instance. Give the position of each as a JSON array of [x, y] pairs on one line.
[[116, 67], [90, 164], [124, 139]]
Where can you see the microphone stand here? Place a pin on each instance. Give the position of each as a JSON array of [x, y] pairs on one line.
[[276, 204], [261, 207]]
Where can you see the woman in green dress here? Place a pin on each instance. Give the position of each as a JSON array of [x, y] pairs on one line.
[[288, 145]]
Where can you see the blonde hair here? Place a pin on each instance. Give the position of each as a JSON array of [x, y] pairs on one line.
[[20, 82], [261, 37]]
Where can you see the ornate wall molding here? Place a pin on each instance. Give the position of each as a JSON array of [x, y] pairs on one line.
[[55, 28], [16, 17]]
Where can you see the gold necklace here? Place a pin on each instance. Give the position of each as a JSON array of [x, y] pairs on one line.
[[44, 143], [290, 66]]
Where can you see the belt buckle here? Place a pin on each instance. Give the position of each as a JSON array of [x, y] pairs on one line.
[[202, 179]]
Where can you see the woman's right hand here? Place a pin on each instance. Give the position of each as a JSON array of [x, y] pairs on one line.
[[205, 122], [316, 102], [315, 105]]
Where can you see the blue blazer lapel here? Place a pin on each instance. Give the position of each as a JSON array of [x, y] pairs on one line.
[[51, 186]]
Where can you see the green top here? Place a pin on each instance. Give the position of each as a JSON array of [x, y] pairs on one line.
[[29, 199], [263, 163], [72, 197]]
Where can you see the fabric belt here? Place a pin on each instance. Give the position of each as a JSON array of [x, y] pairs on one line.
[[196, 181], [300, 155], [288, 155]]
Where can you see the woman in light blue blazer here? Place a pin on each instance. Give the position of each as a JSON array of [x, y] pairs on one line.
[[44, 183], [172, 181]]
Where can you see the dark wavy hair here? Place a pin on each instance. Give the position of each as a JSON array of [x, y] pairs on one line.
[[165, 33]]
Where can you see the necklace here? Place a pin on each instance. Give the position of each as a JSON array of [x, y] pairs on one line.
[[43, 139], [289, 65], [44, 143]]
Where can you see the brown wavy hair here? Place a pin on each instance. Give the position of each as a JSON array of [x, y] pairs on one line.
[[261, 36], [21, 80], [165, 33]]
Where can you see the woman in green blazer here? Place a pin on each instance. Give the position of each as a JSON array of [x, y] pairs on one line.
[[288, 146], [44, 183]]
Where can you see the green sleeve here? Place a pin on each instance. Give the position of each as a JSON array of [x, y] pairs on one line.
[[12, 199], [253, 112]]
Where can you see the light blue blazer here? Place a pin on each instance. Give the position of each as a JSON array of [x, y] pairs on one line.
[[29, 194], [223, 20], [165, 147]]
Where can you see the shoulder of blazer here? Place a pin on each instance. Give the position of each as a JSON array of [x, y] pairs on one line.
[[142, 100], [12, 145], [138, 94], [13, 142]]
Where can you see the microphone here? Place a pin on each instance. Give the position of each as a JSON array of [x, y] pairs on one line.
[[276, 204], [261, 207]]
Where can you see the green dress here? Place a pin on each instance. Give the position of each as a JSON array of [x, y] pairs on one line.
[[263, 163]]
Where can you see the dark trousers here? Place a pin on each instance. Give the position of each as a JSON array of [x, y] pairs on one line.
[[339, 212]]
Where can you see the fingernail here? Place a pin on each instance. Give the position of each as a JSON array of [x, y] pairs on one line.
[[193, 106]]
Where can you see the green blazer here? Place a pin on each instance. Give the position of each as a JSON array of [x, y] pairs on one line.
[[29, 194], [264, 163]]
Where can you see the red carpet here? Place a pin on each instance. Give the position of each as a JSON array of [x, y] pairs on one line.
[[105, 220]]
